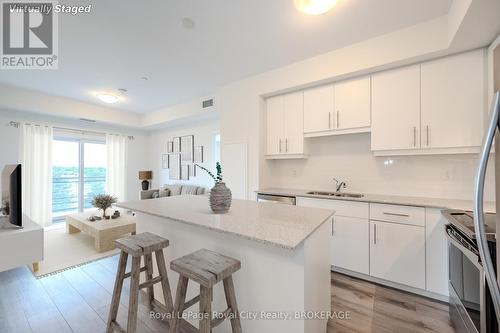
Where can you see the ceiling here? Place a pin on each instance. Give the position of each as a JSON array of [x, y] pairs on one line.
[[121, 41]]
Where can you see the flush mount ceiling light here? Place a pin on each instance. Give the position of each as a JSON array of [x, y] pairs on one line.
[[314, 7], [108, 98]]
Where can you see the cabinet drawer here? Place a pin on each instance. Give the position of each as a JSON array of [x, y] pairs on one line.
[[341, 207], [398, 214]]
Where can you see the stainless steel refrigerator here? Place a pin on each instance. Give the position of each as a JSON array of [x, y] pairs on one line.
[[492, 136]]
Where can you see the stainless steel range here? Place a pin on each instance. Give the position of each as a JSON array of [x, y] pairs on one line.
[[471, 304]]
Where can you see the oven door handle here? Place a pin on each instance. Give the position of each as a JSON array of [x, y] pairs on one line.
[[482, 242], [473, 257]]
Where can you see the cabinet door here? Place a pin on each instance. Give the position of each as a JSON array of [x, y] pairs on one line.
[[318, 109], [396, 109], [436, 244], [453, 105], [352, 104], [274, 125], [294, 123], [350, 244], [397, 253]]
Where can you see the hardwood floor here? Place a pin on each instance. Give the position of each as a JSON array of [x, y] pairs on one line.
[[78, 300], [375, 308]]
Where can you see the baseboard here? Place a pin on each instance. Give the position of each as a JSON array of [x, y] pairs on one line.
[[412, 290]]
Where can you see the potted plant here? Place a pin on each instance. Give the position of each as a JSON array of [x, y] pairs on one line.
[[220, 195], [103, 202]]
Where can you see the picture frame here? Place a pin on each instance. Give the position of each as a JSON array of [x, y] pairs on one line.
[[198, 154], [176, 145], [165, 161], [174, 166], [170, 147], [192, 171], [185, 172], [187, 149]]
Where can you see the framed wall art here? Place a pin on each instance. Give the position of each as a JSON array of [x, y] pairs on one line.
[[176, 145], [164, 161], [185, 171], [187, 147], [198, 154], [174, 166], [170, 147]]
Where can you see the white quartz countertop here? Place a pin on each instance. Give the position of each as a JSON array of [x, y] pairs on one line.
[[280, 225], [388, 199]]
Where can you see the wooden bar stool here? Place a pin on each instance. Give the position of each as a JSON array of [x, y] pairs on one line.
[[206, 268], [138, 246]]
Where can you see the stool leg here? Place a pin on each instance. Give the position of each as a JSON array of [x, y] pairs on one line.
[[165, 284], [205, 309], [148, 258], [117, 290], [134, 295], [180, 299], [231, 302]]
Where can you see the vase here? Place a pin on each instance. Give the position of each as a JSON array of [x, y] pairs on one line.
[[220, 198]]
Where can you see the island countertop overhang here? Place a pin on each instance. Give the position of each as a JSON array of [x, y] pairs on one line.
[[284, 226]]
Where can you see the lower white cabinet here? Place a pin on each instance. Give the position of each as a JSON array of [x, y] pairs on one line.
[[436, 249], [350, 249], [349, 232], [405, 245], [397, 253]]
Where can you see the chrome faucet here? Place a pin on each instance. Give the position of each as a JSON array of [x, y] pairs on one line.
[[339, 185]]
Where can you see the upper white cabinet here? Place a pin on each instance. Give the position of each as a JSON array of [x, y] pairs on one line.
[[318, 109], [338, 109], [453, 101], [396, 109], [285, 138], [437, 107], [352, 104]]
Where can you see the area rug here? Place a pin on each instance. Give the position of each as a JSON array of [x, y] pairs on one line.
[[64, 251]]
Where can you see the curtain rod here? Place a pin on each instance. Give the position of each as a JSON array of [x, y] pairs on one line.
[[16, 125]]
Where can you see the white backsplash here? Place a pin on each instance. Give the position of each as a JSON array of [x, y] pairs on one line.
[[348, 158]]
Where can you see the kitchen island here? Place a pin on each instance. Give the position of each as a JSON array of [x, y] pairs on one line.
[[284, 281]]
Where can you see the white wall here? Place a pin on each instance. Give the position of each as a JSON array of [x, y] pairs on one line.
[[348, 158], [137, 153], [203, 132]]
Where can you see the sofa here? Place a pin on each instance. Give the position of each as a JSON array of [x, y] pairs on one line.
[[171, 190]]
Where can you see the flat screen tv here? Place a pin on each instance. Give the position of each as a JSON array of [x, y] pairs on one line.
[[12, 193]]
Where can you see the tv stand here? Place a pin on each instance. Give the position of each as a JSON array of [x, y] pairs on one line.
[[20, 245]]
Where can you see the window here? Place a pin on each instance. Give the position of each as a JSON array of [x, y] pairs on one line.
[[216, 146], [78, 174]]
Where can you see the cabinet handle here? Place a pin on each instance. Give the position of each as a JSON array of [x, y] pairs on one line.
[[414, 136], [396, 214], [333, 226], [329, 120], [338, 117], [286, 145], [280, 145], [427, 134], [374, 234]]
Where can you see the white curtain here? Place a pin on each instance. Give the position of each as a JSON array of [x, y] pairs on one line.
[[116, 169], [36, 163]]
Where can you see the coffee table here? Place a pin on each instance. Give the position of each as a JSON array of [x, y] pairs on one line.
[[104, 232]]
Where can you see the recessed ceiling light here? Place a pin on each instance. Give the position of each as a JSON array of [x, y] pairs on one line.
[[188, 23], [314, 7], [108, 98]]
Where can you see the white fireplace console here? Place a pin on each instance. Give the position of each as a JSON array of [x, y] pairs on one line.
[[20, 247]]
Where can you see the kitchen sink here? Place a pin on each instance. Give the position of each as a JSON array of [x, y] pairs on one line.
[[336, 194]]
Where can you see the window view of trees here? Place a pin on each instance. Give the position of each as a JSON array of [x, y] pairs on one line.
[[78, 174]]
